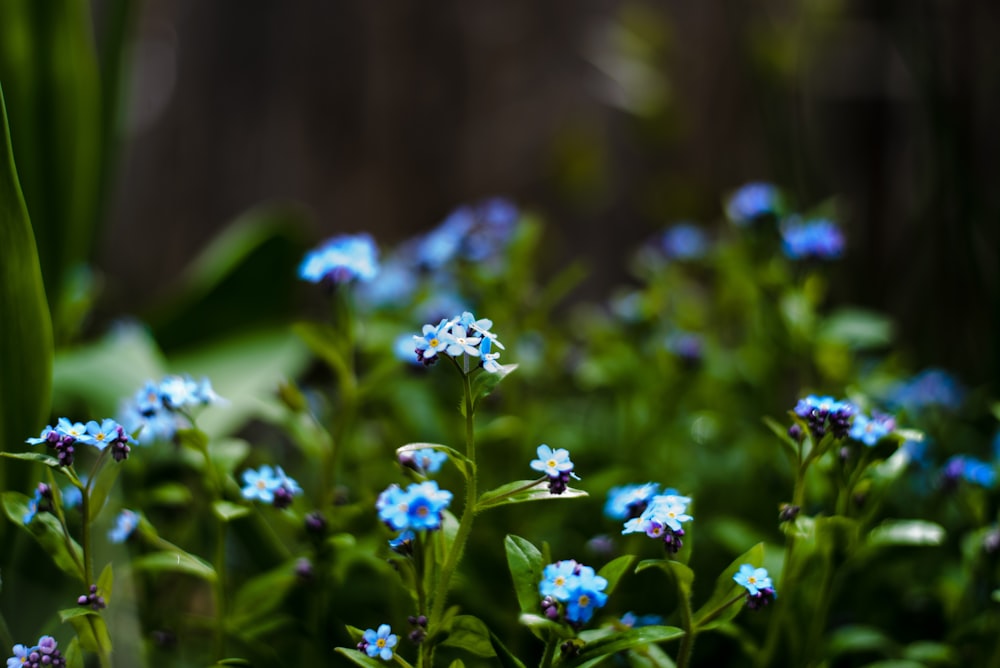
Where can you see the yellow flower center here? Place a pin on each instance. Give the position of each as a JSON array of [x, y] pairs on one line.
[[434, 342], [380, 642], [584, 600], [551, 463]]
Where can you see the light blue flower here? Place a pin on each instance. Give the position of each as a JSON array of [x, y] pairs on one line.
[[426, 504], [432, 340], [627, 501], [586, 596], [48, 435], [72, 496], [684, 241], [20, 658], [557, 579], [100, 435], [753, 201], [341, 259], [870, 430], [380, 643], [459, 342], [260, 485], [393, 506], [489, 358], [429, 460], [666, 513], [552, 463], [125, 525], [754, 579], [74, 430]]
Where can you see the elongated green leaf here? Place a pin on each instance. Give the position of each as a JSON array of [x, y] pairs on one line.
[[49, 534], [90, 629], [525, 563], [484, 384], [26, 333], [106, 583], [262, 595], [360, 658], [73, 655], [470, 633], [781, 431], [102, 487], [907, 532], [177, 562], [47, 460], [625, 640], [504, 655], [227, 511], [522, 491], [713, 611], [544, 628], [680, 573], [614, 570], [460, 460]]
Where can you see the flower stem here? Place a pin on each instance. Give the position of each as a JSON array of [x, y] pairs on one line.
[[687, 640], [550, 652]]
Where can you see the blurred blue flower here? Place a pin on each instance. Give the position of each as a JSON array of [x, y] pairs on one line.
[[21, 656], [826, 413], [634, 621], [870, 430], [628, 501], [260, 485], [341, 259], [687, 346], [428, 460], [403, 543], [125, 524], [419, 507], [684, 241], [931, 387], [817, 239], [476, 233], [40, 501], [72, 496], [969, 469], [753, 201]]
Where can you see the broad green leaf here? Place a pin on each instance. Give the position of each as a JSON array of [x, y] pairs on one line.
[[906, 532], [262, 595], [457, 663], [26, 330], [360, 658], [175, 561], [622, 641], [521, 491], [858, 639], [227, 511], [106, 583], [90, 629], [930, 653], [614, 570], [525, 564], [470, 633], [65, 552], [102, 487], [460, 460], [714, 611], [544, 628], [73, 655]]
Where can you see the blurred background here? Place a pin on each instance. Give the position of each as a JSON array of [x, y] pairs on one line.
[[611, 119]]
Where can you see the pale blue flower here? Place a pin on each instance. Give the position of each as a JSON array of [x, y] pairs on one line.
[[754, 579], [125, 524]]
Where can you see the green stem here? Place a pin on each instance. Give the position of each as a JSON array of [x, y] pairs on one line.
[[687, 640], [468, 514], [550, 652]]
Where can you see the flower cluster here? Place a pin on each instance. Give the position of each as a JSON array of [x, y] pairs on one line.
[[870, 430], [462, 335], [379, 643], [662, 518], [341, 259], [65, 435], [824, 414], [45, 653], [752, 202], [814, 239], [424, 460], [419, 506], [270, 485], [930, 387], [160, 409], [760, 589], [574, 587], [556, 465], [92, 599], [40, 502], [125, 524]]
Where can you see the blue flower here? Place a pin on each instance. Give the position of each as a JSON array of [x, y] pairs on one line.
[[460, 342], [820, 239], [754, 579], [403, 543], [429, 460], [490, 363], [628, 501], [557, 579], [20, 658], [476, 233], [48, 435], [662, 518], [72, 496], [753, 201], [684, 242], [286, 490], [125, 524], [931, 387], [552, 463], [40, 501], [431, 341], [634, 621], [100, 435], [393, 506], [260, 485], [826, 413], [74, 430], [380, 643], [586, 596], [870, 430], [341, 259], [418, 507], [969, 469]]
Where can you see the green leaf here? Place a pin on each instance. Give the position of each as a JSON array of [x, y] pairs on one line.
[[457, 663], [680, 573], [521, 491], [712, 612], [73, 655], [102, 487], [544, 628], [525, 564], [470, 633], [360, 658], [484, 383], [781, 431], [227, 511], [234, 661], [175, 561], [169, 494], [461, 461], [858, 639], [857, 329], [90, 629], [105, 583], [228, 453], [262, 595], [614, 570], [40, 458], [906, 532], [622, 641], [195, 439], [49, 534], [323, 341]]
